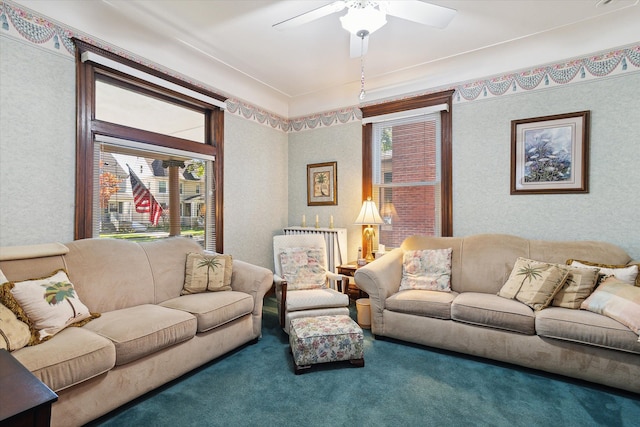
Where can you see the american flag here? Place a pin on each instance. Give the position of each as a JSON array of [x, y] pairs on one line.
[[143, 199]]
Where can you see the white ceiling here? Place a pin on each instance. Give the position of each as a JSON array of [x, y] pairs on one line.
[[232, 47]]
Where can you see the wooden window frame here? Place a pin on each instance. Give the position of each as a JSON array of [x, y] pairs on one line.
[[87, 127], [446, 160]]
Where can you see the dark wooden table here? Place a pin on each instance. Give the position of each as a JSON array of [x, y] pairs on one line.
[[24, 399], [350, 270]]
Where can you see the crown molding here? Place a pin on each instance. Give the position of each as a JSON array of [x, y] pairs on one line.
[[19, 23]]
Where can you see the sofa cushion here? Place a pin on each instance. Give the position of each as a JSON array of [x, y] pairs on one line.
[[228, 266], [626, 273], [14, 333], [110, 274], [422, 303], [587, 328], [315, 298], [577, 287], [213, 309], [50, 304], [493, 311], [144, 329], [428, 269], [303, 268], [207, 272], [74, 355], [167, 260], [618, 300], [534, 283]]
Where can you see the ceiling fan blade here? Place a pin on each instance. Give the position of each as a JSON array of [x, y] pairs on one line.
[[358, 46], [312, 15], [421, 12]]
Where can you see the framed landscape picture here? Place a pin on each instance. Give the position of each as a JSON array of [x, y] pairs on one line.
[[550, 154], [322, 184]]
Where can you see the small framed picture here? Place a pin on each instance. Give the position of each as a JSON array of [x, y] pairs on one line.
[[322, 184], [550, 154]]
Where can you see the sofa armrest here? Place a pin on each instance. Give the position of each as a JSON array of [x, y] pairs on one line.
[[255, 281], [380, 279]]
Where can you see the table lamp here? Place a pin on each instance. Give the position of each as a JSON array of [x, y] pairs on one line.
[[369, 216]]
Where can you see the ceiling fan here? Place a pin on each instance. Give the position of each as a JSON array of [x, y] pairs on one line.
[[363, 17]]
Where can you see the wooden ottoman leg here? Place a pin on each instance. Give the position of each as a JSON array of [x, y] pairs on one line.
[[300, 369], [359, 363]]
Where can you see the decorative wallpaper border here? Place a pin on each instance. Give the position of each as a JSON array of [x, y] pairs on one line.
[[329, 118], [587, 68], [22, 24]]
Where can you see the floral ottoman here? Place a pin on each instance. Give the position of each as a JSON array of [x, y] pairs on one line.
[[324, 339]]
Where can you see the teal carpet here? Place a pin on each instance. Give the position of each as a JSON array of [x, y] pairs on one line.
[[400, 385]]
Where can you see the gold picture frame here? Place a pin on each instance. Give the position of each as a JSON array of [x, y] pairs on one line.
[[322, 184], [550, 154]]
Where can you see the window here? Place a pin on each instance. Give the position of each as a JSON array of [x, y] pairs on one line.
[[406, 177], [407, 166], [119, 162], [140, 135]]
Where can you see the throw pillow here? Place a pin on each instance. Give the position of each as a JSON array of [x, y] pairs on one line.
[[534, 283], [50, 304], [618, 300], [206, 272], [14, 334], [303, 268], [428, 269], [626, 273], [578, 286], [228, 266]]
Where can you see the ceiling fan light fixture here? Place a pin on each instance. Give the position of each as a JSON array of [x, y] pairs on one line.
[[363, 19]]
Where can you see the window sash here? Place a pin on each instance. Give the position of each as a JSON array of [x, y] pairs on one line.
[[406, 134], [378, 170], [94, 63]]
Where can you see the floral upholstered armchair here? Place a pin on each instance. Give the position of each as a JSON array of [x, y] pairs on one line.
[[304, 286]]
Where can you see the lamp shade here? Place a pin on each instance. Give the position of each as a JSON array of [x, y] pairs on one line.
[[369, 214], [363, 19]]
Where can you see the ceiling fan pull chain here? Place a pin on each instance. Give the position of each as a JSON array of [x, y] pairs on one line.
[[363, 94]]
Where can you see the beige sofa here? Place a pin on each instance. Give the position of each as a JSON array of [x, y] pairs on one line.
[[147, 333], [472, 319]]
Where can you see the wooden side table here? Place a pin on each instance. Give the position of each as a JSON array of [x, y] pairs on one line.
[[25, 400], [350, 270]]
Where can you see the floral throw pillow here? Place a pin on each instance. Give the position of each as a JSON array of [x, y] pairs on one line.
[[303, 268], [428, 269], [50, 304]]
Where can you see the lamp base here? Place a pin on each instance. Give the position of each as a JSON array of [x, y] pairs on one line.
[[369, 232]]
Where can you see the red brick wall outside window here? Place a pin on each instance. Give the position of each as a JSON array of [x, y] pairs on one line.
[[413, 161]]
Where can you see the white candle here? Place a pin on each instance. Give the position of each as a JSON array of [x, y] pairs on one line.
[[381, 248], [317, 222], [304, 221], [331, 221]]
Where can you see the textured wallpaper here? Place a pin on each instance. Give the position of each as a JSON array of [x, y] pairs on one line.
[[255, 189], [342, 144], [481, 176], [37, 148]]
